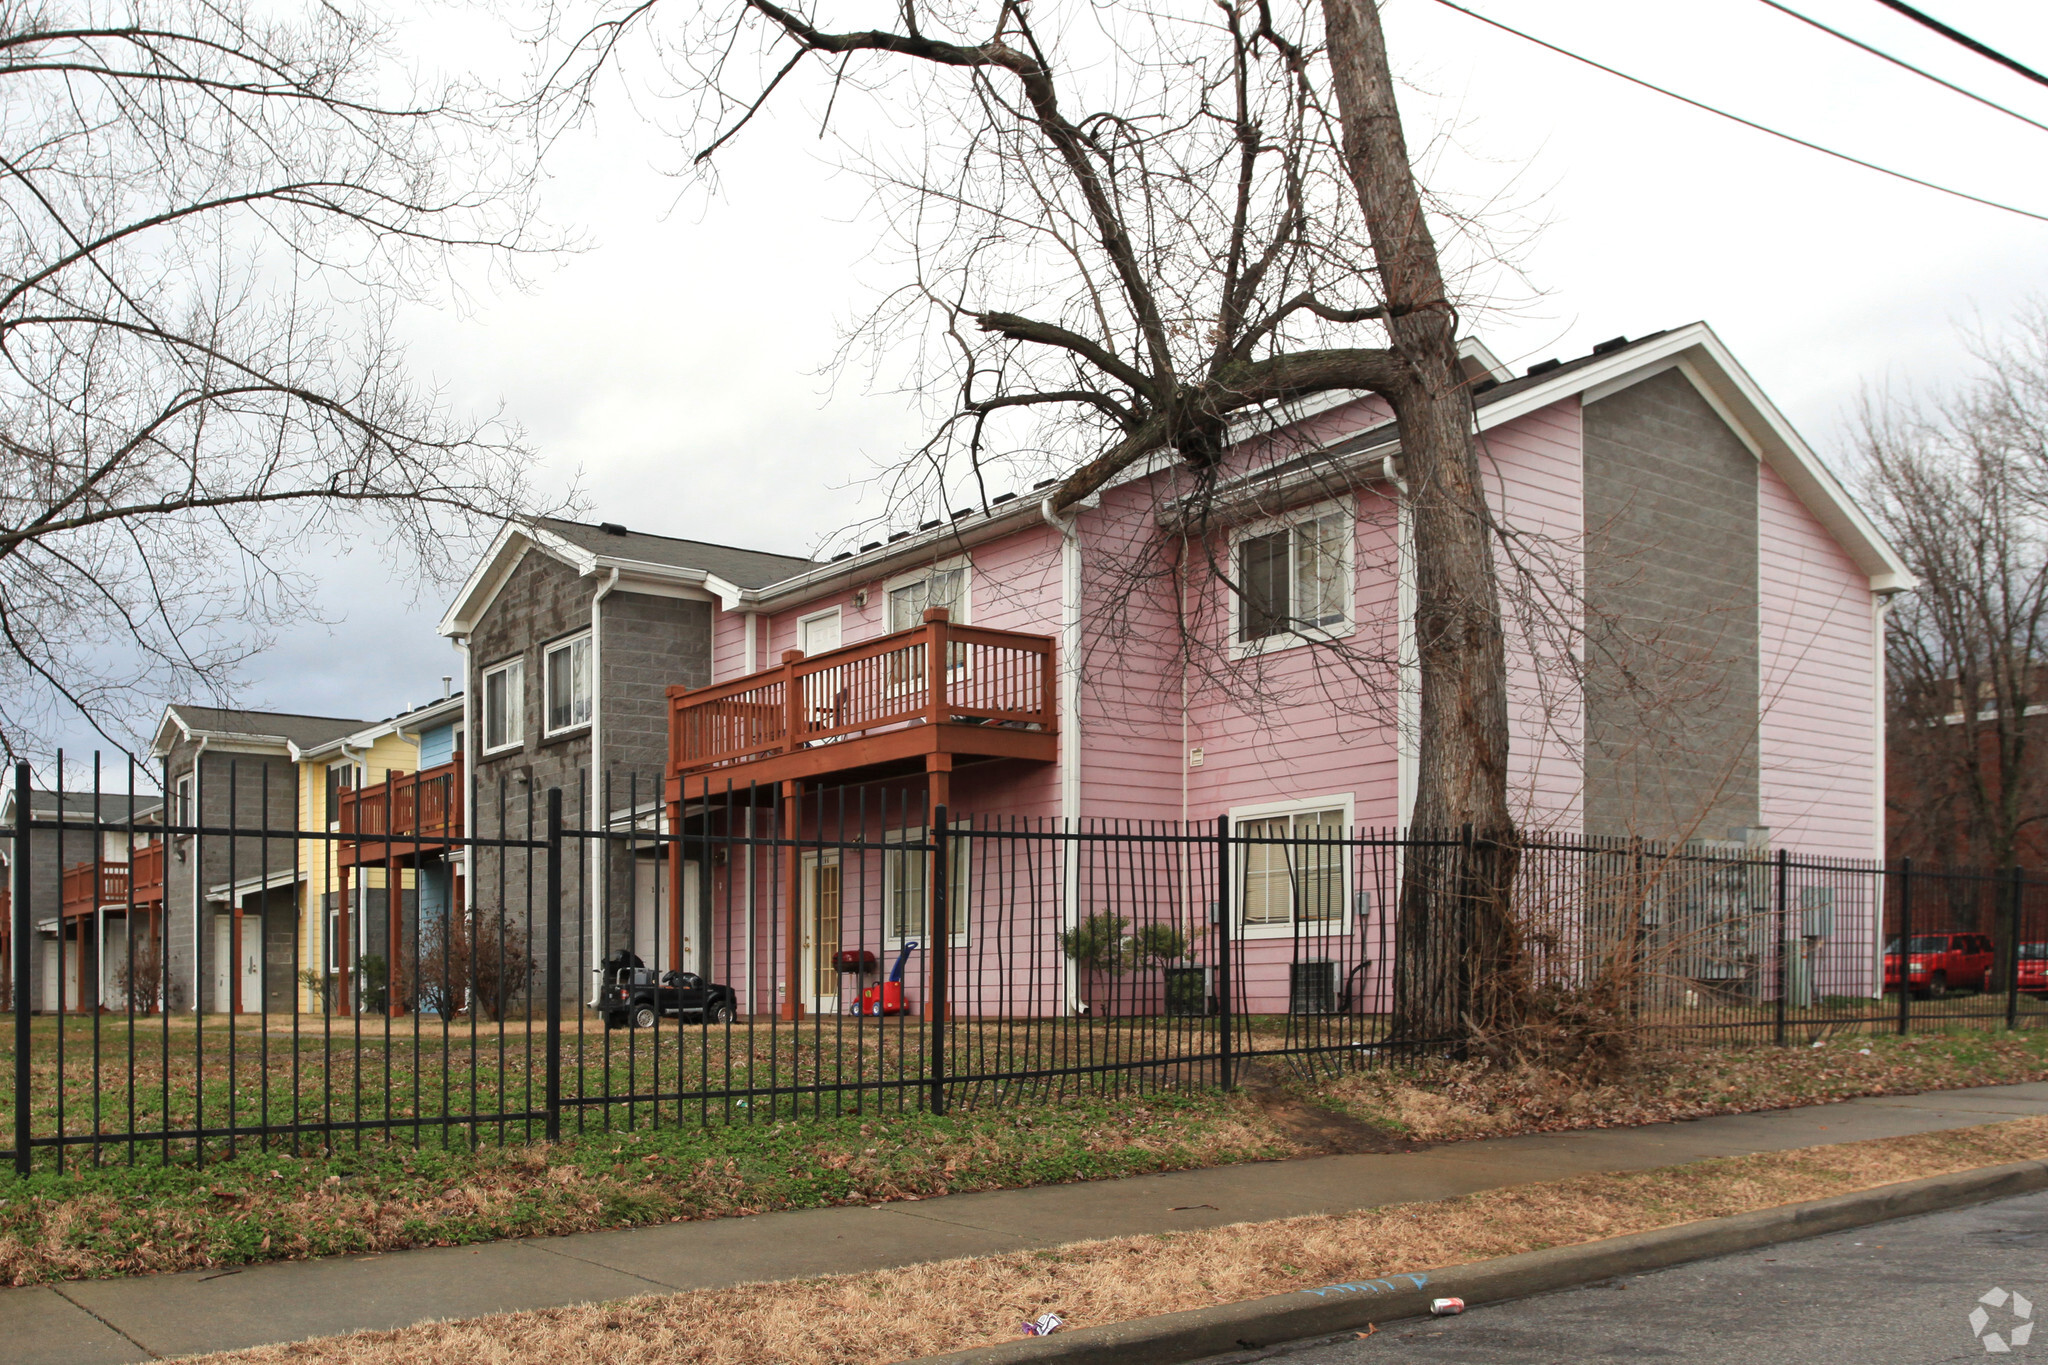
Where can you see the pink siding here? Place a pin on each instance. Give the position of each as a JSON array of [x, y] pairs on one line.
[[1316, 725], [1534, 468], [1818, 743]]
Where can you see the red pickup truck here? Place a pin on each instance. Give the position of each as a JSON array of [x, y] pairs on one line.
[[2034, 968], [1935, 964]]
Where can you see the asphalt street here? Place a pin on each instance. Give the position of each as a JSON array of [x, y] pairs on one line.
[[1894, 1294]]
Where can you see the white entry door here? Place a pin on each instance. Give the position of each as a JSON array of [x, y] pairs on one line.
[[822, 907], [225, 964], [816, 634]]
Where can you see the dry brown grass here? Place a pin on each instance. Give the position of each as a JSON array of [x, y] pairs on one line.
[[1445, 1101], [920, 1310]]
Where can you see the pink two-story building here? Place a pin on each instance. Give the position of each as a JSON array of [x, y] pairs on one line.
[[1694, 608]]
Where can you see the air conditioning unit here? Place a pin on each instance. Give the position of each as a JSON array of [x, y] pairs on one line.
[[1312, 987]]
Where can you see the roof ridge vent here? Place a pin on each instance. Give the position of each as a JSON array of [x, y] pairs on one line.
[[1544, 366], [1611, 345], [611, 528]]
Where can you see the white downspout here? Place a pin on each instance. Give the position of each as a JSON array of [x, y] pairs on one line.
[[468, 753], [1070, 717], [597, 846], [1407, 682], [198, 900], [1877, 619]]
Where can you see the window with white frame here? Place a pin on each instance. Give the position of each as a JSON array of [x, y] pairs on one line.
[[341, 777], [1296, 868], [504, 708], [567, 671], [1294, 577], [934, 587], [906, 878], [183, 813], [818, 632]]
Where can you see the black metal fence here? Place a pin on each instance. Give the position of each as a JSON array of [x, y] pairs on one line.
[[201, 977]]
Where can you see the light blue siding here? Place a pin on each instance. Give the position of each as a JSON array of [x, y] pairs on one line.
[[437, 746]]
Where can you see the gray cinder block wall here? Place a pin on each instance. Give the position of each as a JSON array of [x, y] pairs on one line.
[[1672, 616]]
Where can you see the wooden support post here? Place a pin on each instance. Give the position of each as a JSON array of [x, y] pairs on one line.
[[938, 938], [936, 623], [793, 910], [394, 916], [676, 962]]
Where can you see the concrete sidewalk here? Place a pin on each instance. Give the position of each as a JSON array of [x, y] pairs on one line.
[[102, 1322]]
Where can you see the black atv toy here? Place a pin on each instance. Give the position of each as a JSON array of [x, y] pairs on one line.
[[636, 995]]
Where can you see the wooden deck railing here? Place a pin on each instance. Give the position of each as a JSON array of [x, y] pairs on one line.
[[89, 885], [936, 673], [426, 806]]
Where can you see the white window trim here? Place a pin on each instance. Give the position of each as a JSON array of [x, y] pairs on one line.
[[963, 612], [547, 652], [516, 732], [962, 880], [356, 771], [1271, 810], [1295, 639], [832, 613]]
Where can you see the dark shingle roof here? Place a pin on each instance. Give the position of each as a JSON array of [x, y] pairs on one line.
[[1387, 432], [110, 808], [305, 731], [745, 568]]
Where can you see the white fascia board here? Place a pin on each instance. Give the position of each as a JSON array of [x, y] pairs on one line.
[[428, 716], [360, 739], [661, 580], [236, 742], [1710, 366], [164, 741], [964, 534], [481, 588], [1473, 349]]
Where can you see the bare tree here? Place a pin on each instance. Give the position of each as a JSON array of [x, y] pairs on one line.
[[1132, 236], [1960, 483], [212, 216]]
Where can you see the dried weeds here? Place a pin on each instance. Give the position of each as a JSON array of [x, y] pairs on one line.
[[919, 1310]]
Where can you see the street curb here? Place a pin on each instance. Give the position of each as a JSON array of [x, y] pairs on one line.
[[1203, 1332]]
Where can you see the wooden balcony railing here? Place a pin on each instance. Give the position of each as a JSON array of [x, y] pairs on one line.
[[421, 807], [934, 674], [89, 885]]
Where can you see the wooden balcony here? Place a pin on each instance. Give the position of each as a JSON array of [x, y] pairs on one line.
[[403, 816], [927, 698], [90, 885]]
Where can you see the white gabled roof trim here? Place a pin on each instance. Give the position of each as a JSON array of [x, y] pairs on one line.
[[513, 542], [1705, 360]]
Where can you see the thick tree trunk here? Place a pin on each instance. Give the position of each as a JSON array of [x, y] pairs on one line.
[[1459, 962]]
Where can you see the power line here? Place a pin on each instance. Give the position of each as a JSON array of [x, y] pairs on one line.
[[1747, 123], [1886, 56], [1965, 39]]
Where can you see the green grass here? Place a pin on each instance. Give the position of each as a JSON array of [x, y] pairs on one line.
[[258, 1205], [369, 1193]]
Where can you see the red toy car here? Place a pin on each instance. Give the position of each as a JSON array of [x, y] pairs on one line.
[[1935, 964]]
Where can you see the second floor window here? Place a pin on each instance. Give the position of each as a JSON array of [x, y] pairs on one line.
[[568, 679], [504, 705], [937, 588], [341, 777], [1296, 579]]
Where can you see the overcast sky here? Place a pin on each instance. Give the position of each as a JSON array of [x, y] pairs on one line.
[[677, 362]]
